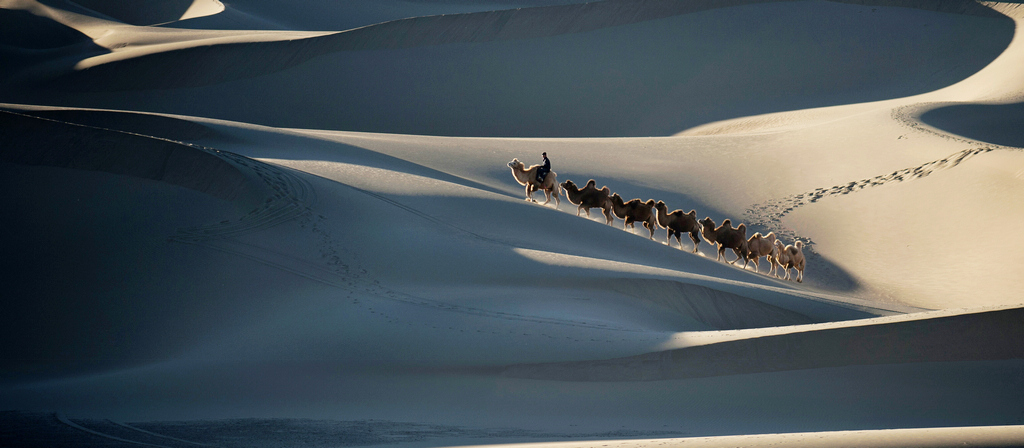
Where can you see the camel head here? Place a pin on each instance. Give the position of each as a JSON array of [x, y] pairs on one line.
[[516, 163], [661, 206], [707, 228], [569, 184], [799, 244]]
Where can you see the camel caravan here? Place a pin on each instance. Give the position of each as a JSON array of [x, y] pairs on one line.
[[677, 222]]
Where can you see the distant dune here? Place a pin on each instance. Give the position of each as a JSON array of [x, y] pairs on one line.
[[597, 69]]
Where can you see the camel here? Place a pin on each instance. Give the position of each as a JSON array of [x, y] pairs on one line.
[[760, 246], [774, 258], [726, 237], [678, 223], [791, 256], [528, 177], [634, 211], [780, 259], [589, 197]]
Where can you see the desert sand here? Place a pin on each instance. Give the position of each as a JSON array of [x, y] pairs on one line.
[[257, 223]]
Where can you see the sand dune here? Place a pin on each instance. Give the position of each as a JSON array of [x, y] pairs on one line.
[[272, 224], [153, 13], [35, 142], [548, 80], [967, 337]]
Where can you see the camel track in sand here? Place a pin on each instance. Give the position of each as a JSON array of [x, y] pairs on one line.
[[292, 198], [768, 215]]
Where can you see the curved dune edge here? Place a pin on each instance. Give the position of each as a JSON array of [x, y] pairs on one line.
[[986, 335], [260, 53], [976, 436], [39, 141], [152, 13]]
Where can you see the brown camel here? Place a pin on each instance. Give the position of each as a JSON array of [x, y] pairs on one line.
[[726, 237], [589, 197], [791, 256], [634, 211], [760, 246], [528, 177], [679, 223]]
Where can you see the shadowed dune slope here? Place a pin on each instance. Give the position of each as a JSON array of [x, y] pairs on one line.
[[328, 15], [26, 31], [148, 13], [31, 44], [617, 68], [987, 335], [1000, 124], [41, 142], [95, 270], [150, 125], [718, 309]]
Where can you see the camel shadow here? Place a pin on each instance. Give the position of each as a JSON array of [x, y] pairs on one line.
[[823, 272]]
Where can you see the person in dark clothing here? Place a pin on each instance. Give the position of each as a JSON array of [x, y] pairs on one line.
[[543, 171]]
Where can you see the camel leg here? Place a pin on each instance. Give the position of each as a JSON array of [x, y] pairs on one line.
[[696, 241], [547, 197], [529, 193], [738, 256]]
